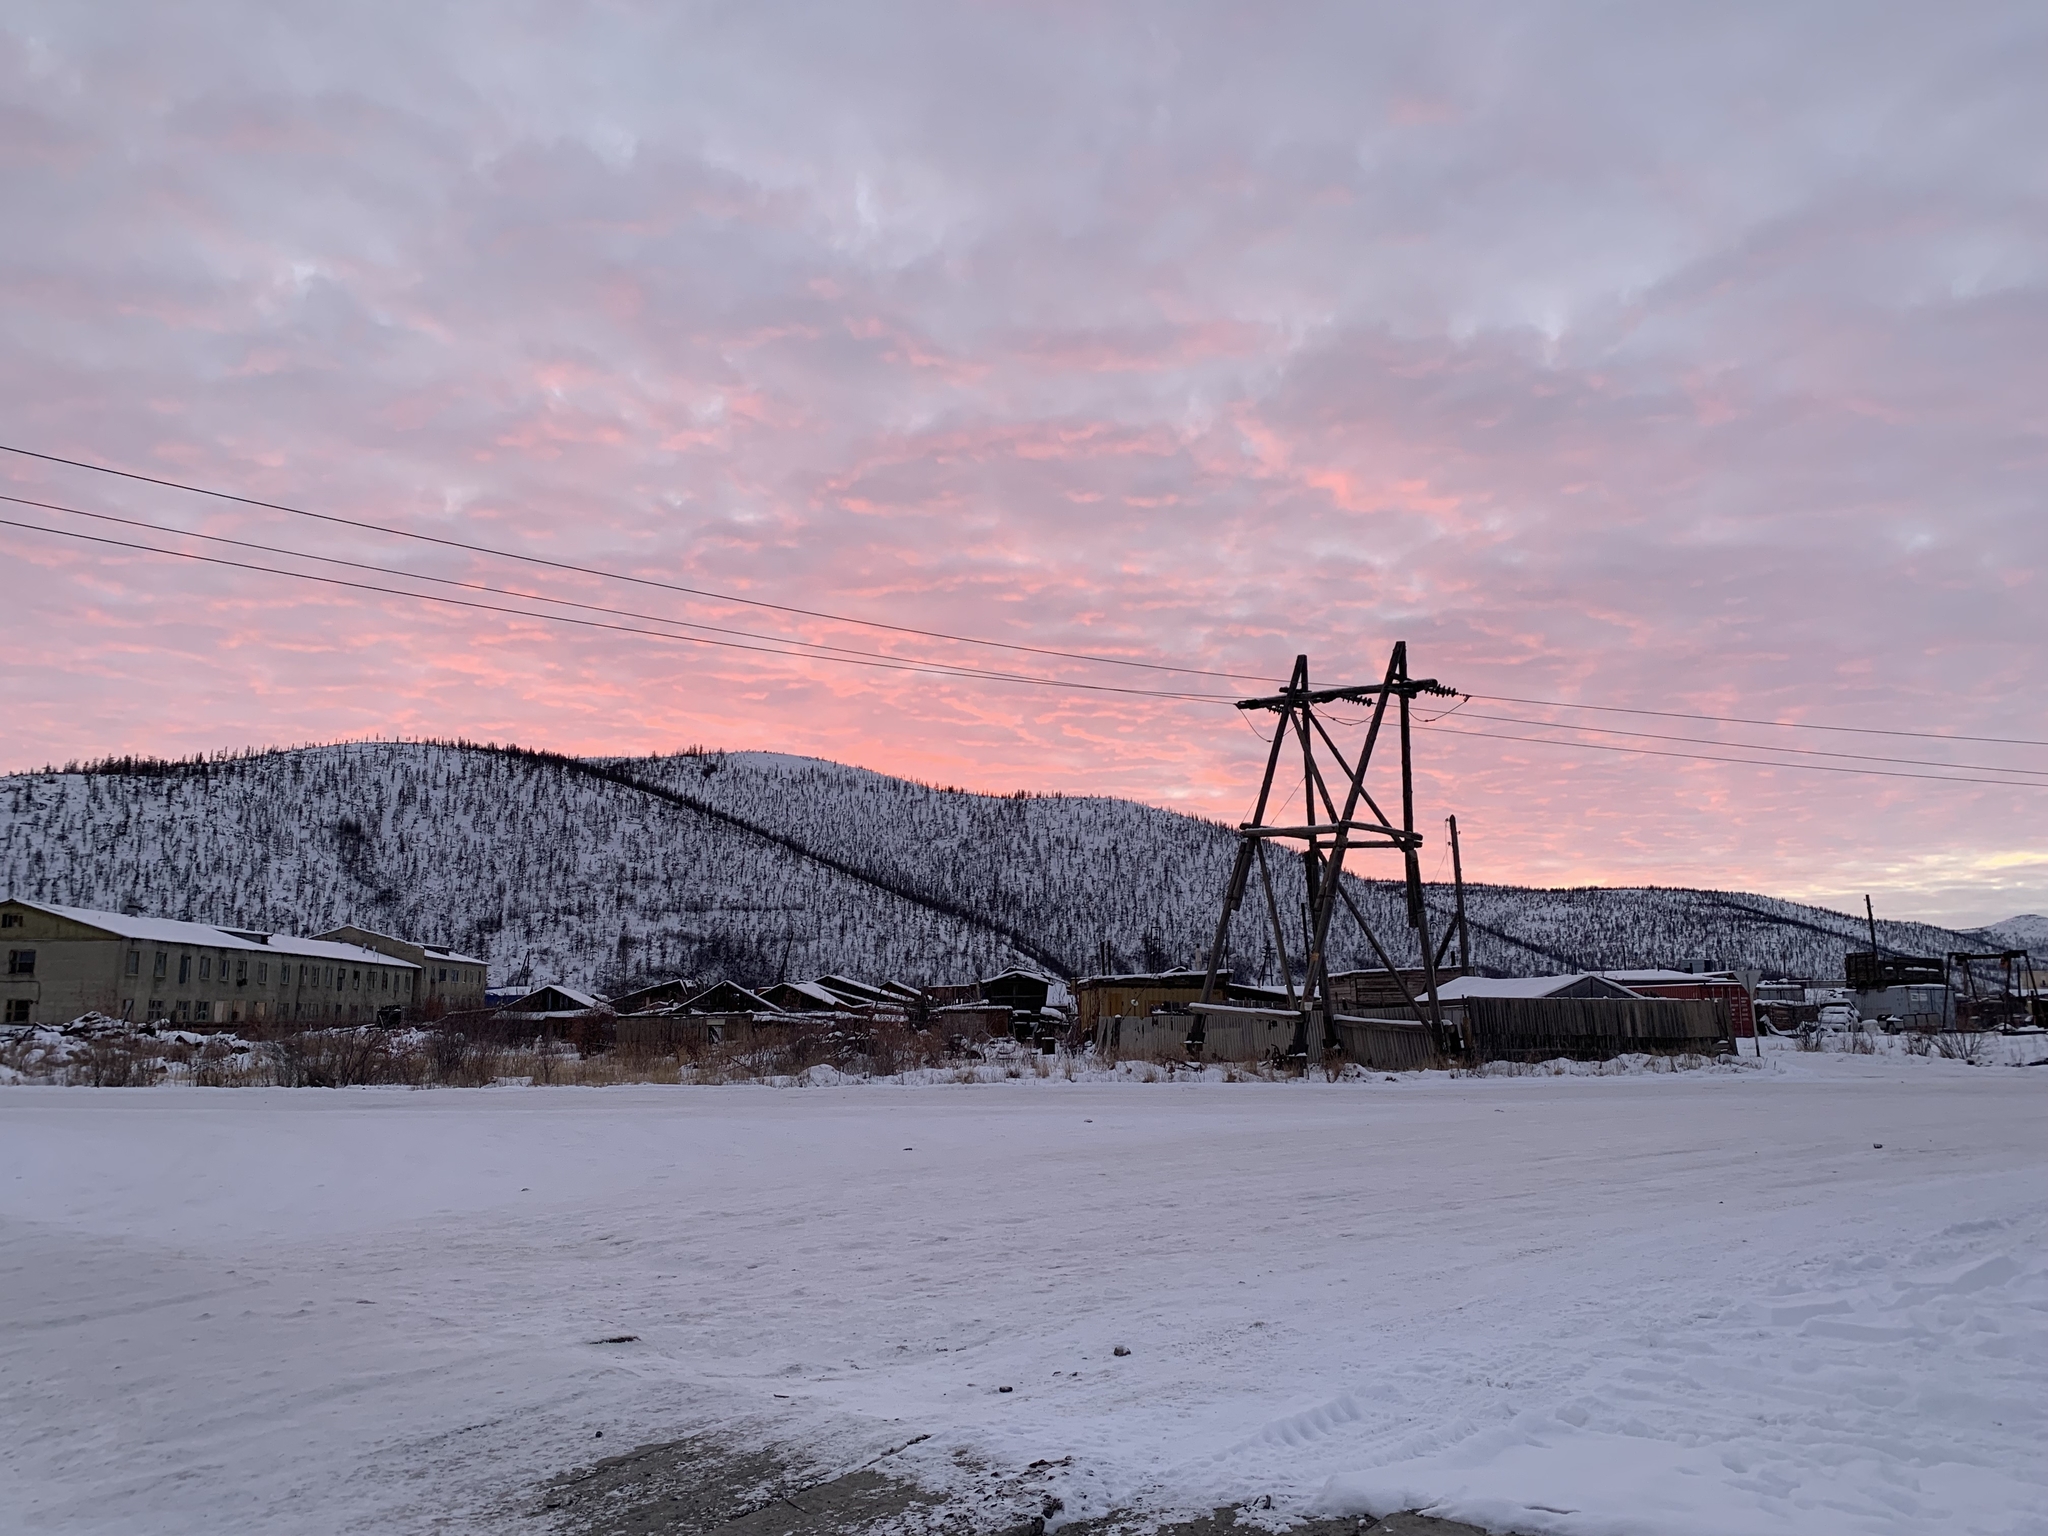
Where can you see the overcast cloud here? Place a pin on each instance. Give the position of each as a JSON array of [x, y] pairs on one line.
[[1679, 358]]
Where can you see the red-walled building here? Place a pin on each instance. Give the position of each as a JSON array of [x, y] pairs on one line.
[[1685, 984]]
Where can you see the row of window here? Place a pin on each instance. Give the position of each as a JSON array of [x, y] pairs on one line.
[[207, 1010], [333, 978], [22, 962], [223, 1011]]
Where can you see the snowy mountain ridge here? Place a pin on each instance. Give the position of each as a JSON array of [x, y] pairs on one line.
[[605, 872]]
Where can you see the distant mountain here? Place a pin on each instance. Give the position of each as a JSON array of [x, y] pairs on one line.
[[605, 872], [2028, 931]]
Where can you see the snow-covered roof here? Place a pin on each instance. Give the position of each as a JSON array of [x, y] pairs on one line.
[[438, 951], [849, 990], [165, 930], [1634, 978], [749, 1001], [1023, 972], [574, 994], [1505, 986], [814, 992]]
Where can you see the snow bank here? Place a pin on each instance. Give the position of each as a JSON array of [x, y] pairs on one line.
[[1809, 1298]]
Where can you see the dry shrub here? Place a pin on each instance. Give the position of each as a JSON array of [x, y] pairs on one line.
[[1961, 1045]]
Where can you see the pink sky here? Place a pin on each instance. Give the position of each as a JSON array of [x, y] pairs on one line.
[[1680, 358]]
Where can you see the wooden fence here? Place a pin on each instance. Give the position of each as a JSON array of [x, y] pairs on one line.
[[1387, 1045], [1156, 1037], [1247, 1037], [1592, 1028]]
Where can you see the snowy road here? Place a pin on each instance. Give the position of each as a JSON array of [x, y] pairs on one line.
[[1693, 1305]]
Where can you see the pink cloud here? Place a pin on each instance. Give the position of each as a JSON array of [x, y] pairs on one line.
[[1653, 364]]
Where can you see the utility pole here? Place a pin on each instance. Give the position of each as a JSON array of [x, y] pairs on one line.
[[1458, 885], [1329, 837]]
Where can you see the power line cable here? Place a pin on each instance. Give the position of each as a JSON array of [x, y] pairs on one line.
[[1748, 746], [809, 646], [1783, 725], [887, 664], [645, 581], [1080, 656], [652, 634], [1747, 762]]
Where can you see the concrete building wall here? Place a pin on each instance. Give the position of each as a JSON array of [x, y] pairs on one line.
[[449, 982], [58, 967]]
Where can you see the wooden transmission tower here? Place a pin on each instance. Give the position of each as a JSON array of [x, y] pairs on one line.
[[1326, 839]]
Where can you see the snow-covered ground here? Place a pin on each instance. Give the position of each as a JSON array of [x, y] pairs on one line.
[[1704, 1302]]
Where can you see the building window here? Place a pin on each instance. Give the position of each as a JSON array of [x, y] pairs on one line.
[[206, 967], [184, 969], [21, 962], [134, 962], [17, 1008], [156, 1008], [241, 973], [184, 1010], [10, 919], [162, 960], [202, 1012], [262, 973], [355, 979]]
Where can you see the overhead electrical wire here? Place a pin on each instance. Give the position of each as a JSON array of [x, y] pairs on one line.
[[1747, 762], [881, 663], [816, 649], [645, 581], [786, 646], [1783, 725], [1748, 746], [779, 646]]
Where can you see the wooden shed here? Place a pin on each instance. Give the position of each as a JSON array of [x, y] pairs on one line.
[[1019, 989], [1374, 991], [973, 1020], [661, 994], [1099, 997], [729, 997], [802, 997], [665, 1034]]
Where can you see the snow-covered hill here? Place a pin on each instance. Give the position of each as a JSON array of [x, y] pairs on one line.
[[757, 865], [2028, 931]]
